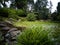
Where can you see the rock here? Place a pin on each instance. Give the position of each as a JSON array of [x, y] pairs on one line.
[[12, 34], [5, 28], [6, 24], [2, 25], [9, 32], [9, 24], [13, 29]]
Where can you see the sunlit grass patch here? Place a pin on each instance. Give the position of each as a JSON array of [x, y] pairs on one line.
[[31, 24], [38, 33]]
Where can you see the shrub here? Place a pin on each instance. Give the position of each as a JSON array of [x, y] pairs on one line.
[[4, 12], [54, 16], [58, 18], [23, 19], [21, 13], [34, 37], [31, 17], [8, 13], [12, 14]]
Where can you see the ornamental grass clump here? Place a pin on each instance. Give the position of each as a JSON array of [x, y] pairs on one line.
[[34, 36]]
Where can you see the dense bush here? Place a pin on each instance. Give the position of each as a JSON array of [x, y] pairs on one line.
[[21, 13], [4, 12], [31, 17], [8, 13], [23, 19], [58, 17], [54, 16], [34, 37], [12, 14]]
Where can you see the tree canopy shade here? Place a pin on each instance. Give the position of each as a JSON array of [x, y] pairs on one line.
[[50, 8], [40, 4], [40, 7], [56, 15], [58, 11], [30, 4], [20, 4], [30, 1], [3, 2], [58, 8], [14, 3]]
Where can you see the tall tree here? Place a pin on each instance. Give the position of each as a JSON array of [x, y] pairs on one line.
[[12, 5], [40, 4], [58, 8], [3, 2], [40, 7], [56, 15], [50, 8], [20, 4], [30, 5], [58, 11]]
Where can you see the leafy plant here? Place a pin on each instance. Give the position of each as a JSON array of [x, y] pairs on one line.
[[31, 17], [4, 12], [12, 14], [21, 13]]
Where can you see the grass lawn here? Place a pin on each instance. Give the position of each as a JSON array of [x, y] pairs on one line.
[[39, 32], [43, 24]]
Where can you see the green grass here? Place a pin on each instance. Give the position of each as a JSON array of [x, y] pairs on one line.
[[34, 36], [47, 31], [30, 24]]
